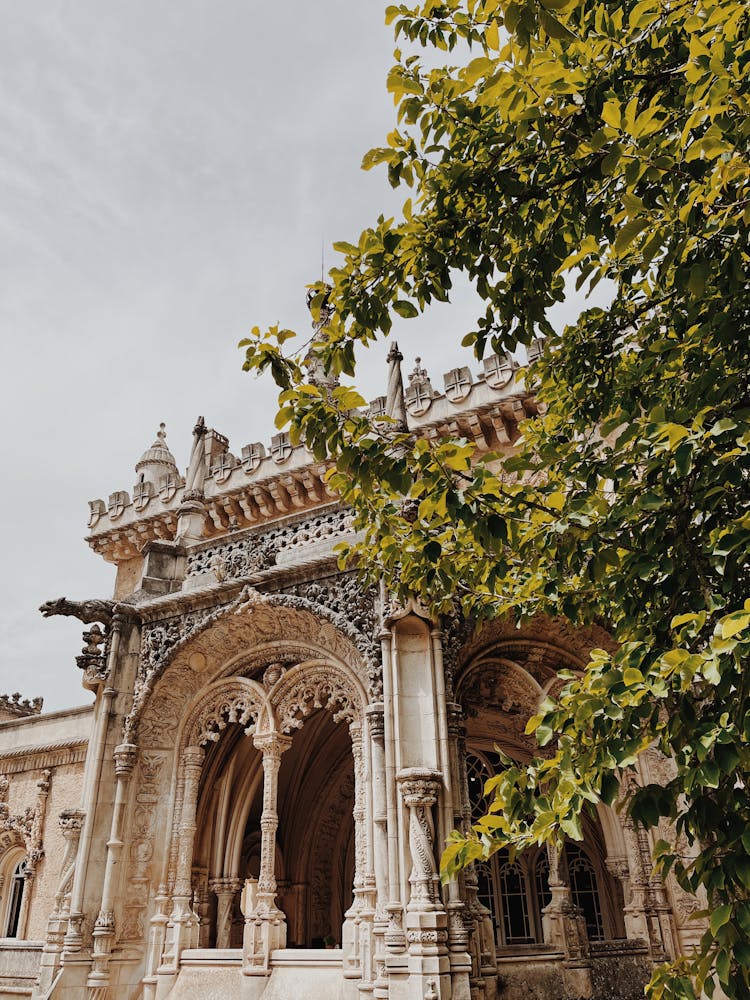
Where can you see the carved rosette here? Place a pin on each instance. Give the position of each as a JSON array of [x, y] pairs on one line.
[[419, 789]]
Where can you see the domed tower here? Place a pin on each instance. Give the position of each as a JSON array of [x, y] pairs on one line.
[[157, 461]]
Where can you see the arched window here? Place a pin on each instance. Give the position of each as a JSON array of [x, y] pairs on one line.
[[584, 889], [517, 892], [509, 889], [17, 883]]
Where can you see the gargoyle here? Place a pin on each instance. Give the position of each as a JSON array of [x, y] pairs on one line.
[[85, 611]]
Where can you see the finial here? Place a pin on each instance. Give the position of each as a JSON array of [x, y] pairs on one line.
[[419, 374], [162, 432]]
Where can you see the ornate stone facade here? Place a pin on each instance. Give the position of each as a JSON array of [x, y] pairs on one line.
[[276, 756]]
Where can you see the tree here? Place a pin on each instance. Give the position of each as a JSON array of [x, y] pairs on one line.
[[575, 140]]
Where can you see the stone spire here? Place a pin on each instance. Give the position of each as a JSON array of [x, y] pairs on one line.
[[157, 460], [395, 406], [196, 473]]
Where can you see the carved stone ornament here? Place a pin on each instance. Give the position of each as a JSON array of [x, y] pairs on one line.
[[419, 789], [97, 510], [161, 640], [498, 370], [118, 501], [319, 687], [93, 659], [252, 455], [418, 396], [223, 466], [168, 486], [457, 384], [281, 447], [234, 702], [142, 494]]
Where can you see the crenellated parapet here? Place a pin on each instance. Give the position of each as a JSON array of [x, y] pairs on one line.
[[13, 706], [263, 482]]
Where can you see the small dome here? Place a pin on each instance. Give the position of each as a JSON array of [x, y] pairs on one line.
[[157, 460]]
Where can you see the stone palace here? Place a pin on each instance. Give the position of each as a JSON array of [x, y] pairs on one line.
[[255, 803]]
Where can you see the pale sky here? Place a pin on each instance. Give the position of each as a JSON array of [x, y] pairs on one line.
[[168, 173]]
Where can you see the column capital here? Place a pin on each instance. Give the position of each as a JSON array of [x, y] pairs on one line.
[[193, 756], [376, 720], [419, 785], [125, 755], [272, 744], [226, 883]]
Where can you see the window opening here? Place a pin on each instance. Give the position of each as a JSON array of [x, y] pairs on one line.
[[584, 889], [17, 885]]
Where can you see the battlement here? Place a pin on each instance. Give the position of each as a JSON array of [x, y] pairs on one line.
[[264, 483], [13, 706]]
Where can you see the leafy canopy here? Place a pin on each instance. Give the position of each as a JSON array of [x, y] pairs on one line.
[[576, 140]]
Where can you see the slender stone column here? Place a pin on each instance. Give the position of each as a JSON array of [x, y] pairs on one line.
[[104, 929], [357, 942], [156, 939], [564, 927], [265, 924], [376, 726], [479, 918], [458, 938], [91, 781], [395, 938], [183, 924], [226, 890]]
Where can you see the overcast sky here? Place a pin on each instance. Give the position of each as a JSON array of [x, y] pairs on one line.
[[168, 173]]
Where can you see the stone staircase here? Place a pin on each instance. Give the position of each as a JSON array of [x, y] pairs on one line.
[[296, 974]]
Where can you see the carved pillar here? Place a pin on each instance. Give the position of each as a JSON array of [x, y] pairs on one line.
[[478, 918], [156, 939], [395, 938], [70, 821], [357, 941], [225, 890], [376, 726], [564, 927], [182, 928], [647, 913], [91, 781], [265, 924], [104, 928], [35, 849], [426, 921]]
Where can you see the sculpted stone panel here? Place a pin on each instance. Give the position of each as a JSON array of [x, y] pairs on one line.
[[499, 686], [256, 550], [141, 847]]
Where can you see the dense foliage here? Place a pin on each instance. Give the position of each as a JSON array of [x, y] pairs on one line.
[[584, 140]]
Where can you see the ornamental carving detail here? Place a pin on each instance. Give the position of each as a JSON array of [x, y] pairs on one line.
[[419, 789], [161, 640], [233, 702], [353, 608], [321, 687]]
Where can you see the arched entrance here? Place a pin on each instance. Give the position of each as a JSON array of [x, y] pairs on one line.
[[314, 850]]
